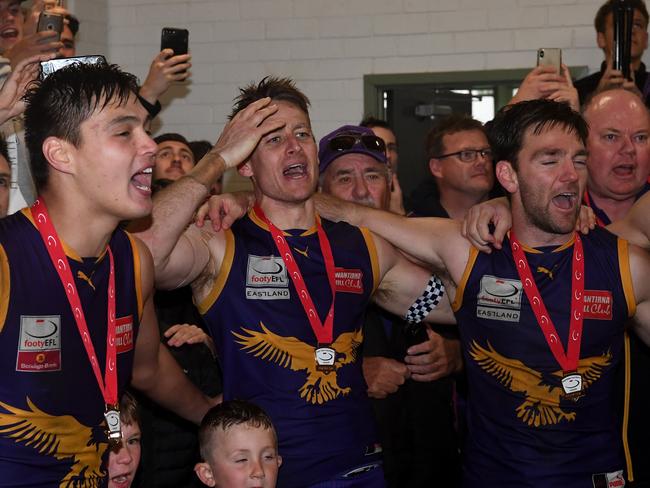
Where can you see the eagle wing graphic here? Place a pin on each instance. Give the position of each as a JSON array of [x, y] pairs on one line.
[[289, 352], [542, 401], [61, 437], [591, 369]]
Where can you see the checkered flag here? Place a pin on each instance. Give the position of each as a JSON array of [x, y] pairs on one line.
[[426, 302]]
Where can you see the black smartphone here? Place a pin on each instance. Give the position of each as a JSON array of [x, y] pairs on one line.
[[49, 67], [48, 21], [174, 39]]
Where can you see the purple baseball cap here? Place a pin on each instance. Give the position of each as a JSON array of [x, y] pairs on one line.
[[351, 139]]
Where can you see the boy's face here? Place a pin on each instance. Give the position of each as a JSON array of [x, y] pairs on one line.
[[241, 457]]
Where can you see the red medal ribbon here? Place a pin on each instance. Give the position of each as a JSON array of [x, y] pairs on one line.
[[568, 361], [323, 331], [108, 386]]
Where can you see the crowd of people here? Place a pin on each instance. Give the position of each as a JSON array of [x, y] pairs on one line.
[[323, 330]]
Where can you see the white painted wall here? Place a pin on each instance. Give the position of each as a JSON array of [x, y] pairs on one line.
[[328, 45]]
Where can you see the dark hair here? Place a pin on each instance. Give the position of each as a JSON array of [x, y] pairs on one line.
[[73, 23], [370, 122], [607, 8], [171, 136], [59, 104], [200, 149], [129, 409], [506, 132], [449, 124], [4, 150], [279, 89], [229, 414]]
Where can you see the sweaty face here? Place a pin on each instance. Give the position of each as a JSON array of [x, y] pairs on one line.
[[5, 181], [123, 462], [551, 174], [358, 178], [173, 160], [114, 161], [11, 24], [391, 145], [244, 457], [284, 166], [619, 151], [474, 178], [639, 36]]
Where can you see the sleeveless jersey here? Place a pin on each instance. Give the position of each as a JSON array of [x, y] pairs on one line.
[[521, 431], [51, 407], [266, 345]]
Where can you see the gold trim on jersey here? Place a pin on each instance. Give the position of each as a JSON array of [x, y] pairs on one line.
[[222, 276], [460, 287], [5, 286], [260, 223], [626, 408], [374, 259], [626, 276], [137, 274]]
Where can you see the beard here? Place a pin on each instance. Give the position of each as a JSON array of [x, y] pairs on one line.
[[538, 214]]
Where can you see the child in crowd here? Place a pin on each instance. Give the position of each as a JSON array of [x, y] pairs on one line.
[[124, 460], [239, 447]]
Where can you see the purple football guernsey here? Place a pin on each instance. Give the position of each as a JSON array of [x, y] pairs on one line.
[[522, 431], [51, 407], [267, 347]]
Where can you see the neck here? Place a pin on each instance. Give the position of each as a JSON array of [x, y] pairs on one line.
[[78, 226], [457, 204], [289, 215], [635, 64], [615, 209]]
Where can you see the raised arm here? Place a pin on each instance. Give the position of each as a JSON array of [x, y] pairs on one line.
[[435, 241], [180, 256], [640, 270]]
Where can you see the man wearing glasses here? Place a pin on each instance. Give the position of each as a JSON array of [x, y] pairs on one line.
[[460, 162]]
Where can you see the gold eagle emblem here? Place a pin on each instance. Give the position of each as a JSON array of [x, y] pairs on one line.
[[61, 437], [542, 401], [291, 353]]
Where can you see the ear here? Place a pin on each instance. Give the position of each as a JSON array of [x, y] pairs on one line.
[[279, 460], [204, 472], [245, 169], [435, 166], [58, 153], [507, 176]]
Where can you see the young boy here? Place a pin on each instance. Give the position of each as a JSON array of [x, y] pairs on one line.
[[239, 447], [124, 460]]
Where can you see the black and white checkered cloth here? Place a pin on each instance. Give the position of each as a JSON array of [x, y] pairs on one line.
[[426, 302]]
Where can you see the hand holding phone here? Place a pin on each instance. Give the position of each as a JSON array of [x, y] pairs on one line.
[[550, 56], [174, 39], [50, 22]]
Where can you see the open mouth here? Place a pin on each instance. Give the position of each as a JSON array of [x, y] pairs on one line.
[[122, 480], [565, 201], [9, 33], [297, 170], [142, 179], [624, 170]]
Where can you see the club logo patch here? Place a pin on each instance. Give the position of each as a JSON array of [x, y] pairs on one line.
[[499, 299], [266, 278], [598, 304], [124, 334], [39, 344], [349, 280]]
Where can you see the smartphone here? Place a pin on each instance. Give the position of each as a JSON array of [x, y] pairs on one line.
[[550, 56], [49, 21], [49, 67], [174, 39]]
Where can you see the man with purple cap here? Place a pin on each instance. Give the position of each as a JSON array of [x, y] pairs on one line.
[[407, 368]]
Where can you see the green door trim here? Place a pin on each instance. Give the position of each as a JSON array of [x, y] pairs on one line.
[[373, 85]]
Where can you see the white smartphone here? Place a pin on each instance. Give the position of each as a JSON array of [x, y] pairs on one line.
[[550, 56]]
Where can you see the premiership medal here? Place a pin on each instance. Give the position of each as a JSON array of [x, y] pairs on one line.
[[572, 381], [113, 425], [324, 355]]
